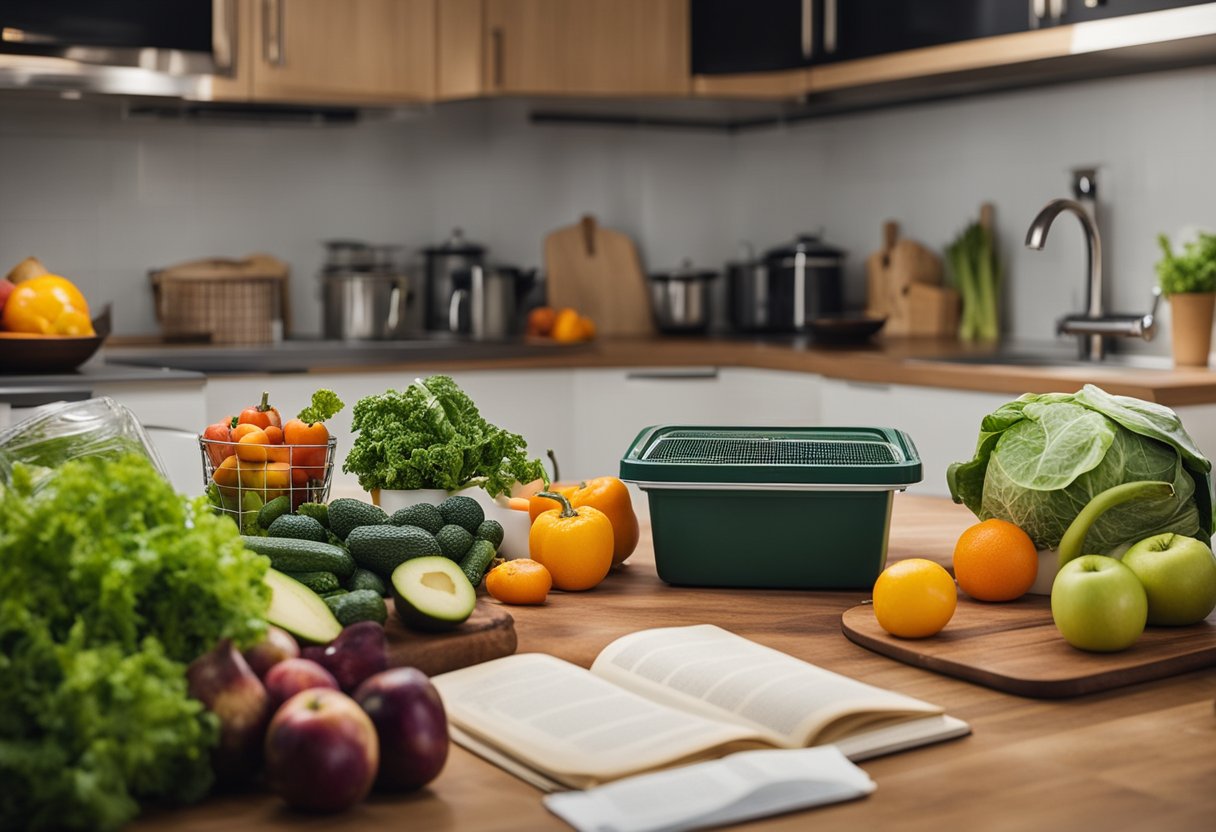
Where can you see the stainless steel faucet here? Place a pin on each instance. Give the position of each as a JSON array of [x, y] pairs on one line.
[[1094, 325]]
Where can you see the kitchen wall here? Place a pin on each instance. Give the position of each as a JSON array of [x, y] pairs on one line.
[[103, 198]]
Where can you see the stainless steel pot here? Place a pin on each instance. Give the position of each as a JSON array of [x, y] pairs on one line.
[[791, 286], [368, 295], [680, 299], [484, 303], [456, 254]]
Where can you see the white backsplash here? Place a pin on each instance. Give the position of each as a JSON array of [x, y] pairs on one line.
[[102, 199]]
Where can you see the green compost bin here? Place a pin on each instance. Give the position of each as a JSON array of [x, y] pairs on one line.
[[760, 507]]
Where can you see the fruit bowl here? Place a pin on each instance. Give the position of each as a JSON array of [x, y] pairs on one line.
[[21, 352]]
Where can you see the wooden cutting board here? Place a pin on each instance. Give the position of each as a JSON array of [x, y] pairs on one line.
[[597, 271], [488, 634], [1016, 648]]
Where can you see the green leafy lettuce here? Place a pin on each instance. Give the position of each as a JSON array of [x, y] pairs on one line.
[[431, 435], [1040, 459], [110, 584]]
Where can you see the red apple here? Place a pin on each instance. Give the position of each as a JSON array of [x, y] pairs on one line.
[[224, 683], [6, 289], [321, 751], [277, 646], [359, 651], [290, 676], [411, 724]]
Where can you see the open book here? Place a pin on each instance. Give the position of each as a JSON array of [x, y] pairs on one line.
[[666, 697]]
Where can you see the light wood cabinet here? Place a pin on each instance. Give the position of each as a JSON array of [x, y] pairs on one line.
[[326, 52], [586, 47]]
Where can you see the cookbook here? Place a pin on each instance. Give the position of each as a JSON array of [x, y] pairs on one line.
[[671, 696]]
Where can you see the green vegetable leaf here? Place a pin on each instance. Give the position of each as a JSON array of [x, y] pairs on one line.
[[1194, 270], [431, 435], [325, 405]]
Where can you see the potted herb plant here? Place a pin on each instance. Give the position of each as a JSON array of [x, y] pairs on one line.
[[1188, 279], [427, 442]]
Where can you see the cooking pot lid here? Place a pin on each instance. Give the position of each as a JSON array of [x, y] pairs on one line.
[[809, 244], [685, 272], [457, 244]]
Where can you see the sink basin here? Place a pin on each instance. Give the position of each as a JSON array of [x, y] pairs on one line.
[[1019, 358]]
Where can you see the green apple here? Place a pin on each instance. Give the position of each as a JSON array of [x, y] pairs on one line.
[[1098, 604], [1179, 577]]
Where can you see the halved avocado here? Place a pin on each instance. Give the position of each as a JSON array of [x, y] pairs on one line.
[[431, 593], [300, 611]]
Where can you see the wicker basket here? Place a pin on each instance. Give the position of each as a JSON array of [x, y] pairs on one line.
[[223, 301]]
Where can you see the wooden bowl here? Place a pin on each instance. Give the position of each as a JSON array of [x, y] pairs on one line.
[[846, 329], [23, 353]]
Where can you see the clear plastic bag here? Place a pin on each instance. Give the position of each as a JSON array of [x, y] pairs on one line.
[[69, 430]]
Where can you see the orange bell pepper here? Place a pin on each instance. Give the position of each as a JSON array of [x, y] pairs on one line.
[[611, 496], [538, 503], [48, 305], [574, 545], [252, 446], [315, 441], [261, 415], [217, 434]]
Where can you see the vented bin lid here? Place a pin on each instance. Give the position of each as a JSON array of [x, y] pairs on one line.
[[666, 455]]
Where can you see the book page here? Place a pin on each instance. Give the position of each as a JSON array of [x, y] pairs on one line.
[[710, 671], [573, 727]]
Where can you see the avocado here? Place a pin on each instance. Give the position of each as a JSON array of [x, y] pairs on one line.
[[454, 541], [382, 548], [490, 530], [298, 527], [318, 582], [346, 514], [366, 579], [422, 515], [299, 610], [463, 511], [360, 605], [432, 594]]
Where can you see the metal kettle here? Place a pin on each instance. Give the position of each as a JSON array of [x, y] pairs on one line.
[[484, 303], [443, 261]]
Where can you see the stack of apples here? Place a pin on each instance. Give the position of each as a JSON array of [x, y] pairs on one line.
[[328, 723]]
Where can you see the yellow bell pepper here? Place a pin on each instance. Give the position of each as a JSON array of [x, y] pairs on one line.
[[48, 305], [575, 546]]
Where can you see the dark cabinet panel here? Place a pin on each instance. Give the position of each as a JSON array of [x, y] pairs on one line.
[[863, 28], [732, 36]]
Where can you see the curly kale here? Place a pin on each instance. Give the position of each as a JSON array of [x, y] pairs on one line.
[[431, 435]]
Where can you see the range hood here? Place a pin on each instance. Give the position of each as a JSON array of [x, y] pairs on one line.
[[123, 47]]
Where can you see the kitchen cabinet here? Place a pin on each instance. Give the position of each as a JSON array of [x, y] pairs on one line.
[[1051, 12], [320, 52], [586, 47], [943, 424]]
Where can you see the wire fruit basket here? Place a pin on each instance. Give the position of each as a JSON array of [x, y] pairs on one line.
[[241, 478]]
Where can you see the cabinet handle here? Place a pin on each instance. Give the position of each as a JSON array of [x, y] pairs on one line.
[[273, 24], [829, 26], [1038, 10], [496, 57], [223, 35], [1057, 8], [808, 30], [690, 374]]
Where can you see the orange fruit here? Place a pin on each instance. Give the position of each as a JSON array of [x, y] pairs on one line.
[[995, 561], [519, 581], [914, 598]]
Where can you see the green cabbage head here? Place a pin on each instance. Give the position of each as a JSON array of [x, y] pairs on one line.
[[1041, 458]]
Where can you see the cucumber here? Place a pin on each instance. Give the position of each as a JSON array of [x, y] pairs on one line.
[[360, 605], [273, 510], [366, 579], [298, 527], [288, 555], [318, 582], [475, 562]]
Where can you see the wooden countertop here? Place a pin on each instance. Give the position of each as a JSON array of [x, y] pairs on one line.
[[885, 361], [1141, 757]]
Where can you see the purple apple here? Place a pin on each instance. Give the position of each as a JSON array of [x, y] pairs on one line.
[[290, 676], [223, 681], [359, 651], [411, 724], [277, 646], [321, 751]]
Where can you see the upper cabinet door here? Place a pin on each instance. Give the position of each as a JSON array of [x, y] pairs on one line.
[[587, 47], [322, 51], [1077, 11], [863, 28]]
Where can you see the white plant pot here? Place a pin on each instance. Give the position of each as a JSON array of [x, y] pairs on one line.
[[1049, 565], [515, 524]]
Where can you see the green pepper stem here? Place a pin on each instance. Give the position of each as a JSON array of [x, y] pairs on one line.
[[1074, 535], [567, 509], [265, 404]]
